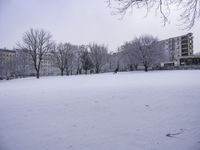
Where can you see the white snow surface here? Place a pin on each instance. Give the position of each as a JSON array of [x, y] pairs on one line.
[[157, 110]]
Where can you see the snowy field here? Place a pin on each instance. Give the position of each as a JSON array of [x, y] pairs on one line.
[[124, 111]]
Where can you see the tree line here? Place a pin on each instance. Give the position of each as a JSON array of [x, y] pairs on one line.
[[67, 57], [93, 58]]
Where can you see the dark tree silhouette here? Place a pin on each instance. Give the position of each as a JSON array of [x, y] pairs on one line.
[[190, 9]]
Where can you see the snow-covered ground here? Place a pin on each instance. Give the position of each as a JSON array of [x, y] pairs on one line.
[[124, 111]]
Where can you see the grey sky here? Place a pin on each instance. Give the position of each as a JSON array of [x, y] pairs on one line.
[[82, 22]]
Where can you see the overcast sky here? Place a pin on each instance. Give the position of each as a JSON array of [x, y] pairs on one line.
[[82, 22]]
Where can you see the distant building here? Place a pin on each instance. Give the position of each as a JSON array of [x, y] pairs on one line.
[[19, 63], [48, 66], [7, 63], [6, 55], [24, 63], [177, 47]]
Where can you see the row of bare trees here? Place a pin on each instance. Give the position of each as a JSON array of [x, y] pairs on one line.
[[85, 57], [93, 58], [67, 57], [63, 54]]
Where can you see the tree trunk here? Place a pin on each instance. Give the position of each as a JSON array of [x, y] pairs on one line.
[[131, 67], [38, 75], [97, 70], [136, 67], [80, 71], [146, 68], [67, 72], [62, 70], [77, 71]]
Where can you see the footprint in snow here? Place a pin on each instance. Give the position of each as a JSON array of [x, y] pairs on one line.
[[175, 134]]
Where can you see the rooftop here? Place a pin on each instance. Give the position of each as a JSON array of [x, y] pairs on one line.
[[6, 50]]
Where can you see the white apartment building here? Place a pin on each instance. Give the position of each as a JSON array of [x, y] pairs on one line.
[[177, 47]]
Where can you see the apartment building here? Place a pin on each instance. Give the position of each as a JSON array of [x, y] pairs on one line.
[[177, 47]]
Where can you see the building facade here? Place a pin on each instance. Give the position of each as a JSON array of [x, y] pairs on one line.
[[177, 47], [24, 63], [48, 66], [7, 63], [6, 55], [19, 63]]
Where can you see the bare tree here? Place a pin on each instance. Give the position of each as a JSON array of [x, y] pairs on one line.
[[86, 61], [59, 54], [69, 57], [147, 50], [130, 55], [64, 55], [190, 8], [78, 61], [113, 61], [99, 55], [73, 61], [38, 43]]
